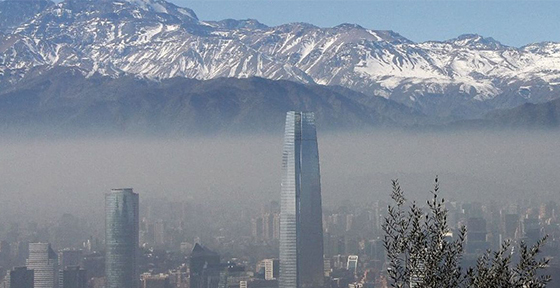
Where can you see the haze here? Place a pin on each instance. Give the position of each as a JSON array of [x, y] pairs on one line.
[[42, 178]]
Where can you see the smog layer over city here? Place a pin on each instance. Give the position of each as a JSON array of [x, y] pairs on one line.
[[286, 144], [50, 177]]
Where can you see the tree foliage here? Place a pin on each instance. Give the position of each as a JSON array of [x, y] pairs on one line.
[[421, 253]]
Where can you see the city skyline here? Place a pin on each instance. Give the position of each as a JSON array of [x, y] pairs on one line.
[[353, 243], [301, 232], [188, 109]]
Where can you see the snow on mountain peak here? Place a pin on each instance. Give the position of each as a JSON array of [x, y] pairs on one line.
[[476, 41], [157, 39], [149, 5], [348, 26], [240, 24], [162, 6]]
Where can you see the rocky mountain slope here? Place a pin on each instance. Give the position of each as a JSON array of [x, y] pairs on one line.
[[459, 78], [528, 115], [15, 12]]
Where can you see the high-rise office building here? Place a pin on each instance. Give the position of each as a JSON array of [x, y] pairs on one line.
[[476, 235], [69, 257], [121, 238], [532, 230], [73, 277], [203, 264], [301, 225], [44, 262], [159, 233], [257, 228], [511, 225], [266, 227], [19, 277]]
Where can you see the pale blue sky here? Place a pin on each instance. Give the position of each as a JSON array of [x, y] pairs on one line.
[[513, 23]]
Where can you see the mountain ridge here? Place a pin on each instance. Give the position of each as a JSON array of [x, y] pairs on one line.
[[462, 78], [185, 106]]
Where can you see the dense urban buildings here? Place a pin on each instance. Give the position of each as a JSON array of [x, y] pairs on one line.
[[121, 238], [204, 243], [301, 232], [195, 229]]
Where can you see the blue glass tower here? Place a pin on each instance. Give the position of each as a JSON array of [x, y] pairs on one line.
[[301, 225], [121, 239]]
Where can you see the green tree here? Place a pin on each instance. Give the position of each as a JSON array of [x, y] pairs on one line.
[[420, 252]]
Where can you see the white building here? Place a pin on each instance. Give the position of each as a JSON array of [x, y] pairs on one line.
[[271, 269], [352, 263]]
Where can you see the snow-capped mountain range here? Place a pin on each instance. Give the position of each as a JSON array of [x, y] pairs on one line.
[[461, 78]]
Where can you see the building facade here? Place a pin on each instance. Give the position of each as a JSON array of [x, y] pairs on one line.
[[69, 257], [73, 277], [155, 281], [301, 225], [352, 263], [271, 269], [19, 277], [44, 263], [203, 266], [121, 238]]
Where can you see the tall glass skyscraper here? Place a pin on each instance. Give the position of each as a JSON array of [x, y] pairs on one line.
[[301, 225], [121, 239]]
